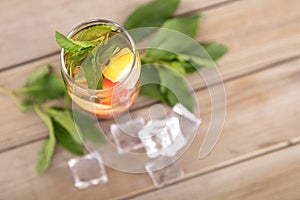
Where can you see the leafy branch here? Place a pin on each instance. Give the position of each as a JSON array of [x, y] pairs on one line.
[[39, 88], [165, 68]]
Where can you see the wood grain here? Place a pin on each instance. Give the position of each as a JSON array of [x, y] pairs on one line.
[[258, 33], [29, 27], [267, 101], [272, 176], [277, 31]]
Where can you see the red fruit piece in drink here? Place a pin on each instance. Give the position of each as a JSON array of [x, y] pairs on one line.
[[113, 96], [106, 83]]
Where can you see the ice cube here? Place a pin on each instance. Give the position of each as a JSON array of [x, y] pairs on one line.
[[163, 171], [189, 122], [125, 135], [162, 137], [87, 170]]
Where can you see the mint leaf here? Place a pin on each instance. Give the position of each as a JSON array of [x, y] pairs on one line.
[[188, 67], [37, 75], [166, 85], [150, 86], [37, 85], [177, 66], [152, 14], [92, 70], [197, 61], [64, 118], [175, 88], [187, 24], [215, 50], [46, 88], [71, 45], [96, 32], [95, 61], [66, 139], [167, 43], [26, 105], [45, 154], [87, 127], [194, 60]]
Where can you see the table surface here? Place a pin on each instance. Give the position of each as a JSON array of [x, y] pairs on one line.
[[257, 155]]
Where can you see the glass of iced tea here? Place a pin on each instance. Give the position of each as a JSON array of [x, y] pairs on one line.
[[105, 80]]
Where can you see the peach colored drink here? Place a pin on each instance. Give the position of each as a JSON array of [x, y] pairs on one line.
[[106, 81]]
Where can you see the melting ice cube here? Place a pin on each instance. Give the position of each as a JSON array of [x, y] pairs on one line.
[[126, 135], [189, 122], [163, 170], [87, 170], [162, 137]]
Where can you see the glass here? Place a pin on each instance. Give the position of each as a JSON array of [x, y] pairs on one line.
[[117, 61]]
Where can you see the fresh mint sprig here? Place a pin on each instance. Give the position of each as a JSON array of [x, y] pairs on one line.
[[82, 52], [72, 45], [40, 87], [188, 59]]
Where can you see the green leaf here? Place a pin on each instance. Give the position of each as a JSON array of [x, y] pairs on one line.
[[49, 87], [37, 75], [45, 154], [65, 119], [71, 45], [188, 67], [65, 138], [152, 14], [96, 35], [175, 88], [150, 86], [94, 63], [177, 66], [166, 44], [95, 32], [67, 99], [26, 105], [187, 24], [215, 50], [92, 70], [197, 61], [152, 91], [87, 127]]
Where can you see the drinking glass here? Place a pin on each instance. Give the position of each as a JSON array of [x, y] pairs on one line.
[[117, 96]]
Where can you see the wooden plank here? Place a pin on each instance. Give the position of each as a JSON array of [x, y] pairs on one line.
[[262, 115], [272, 176], [216, 25], [28, 27], [258, 33]]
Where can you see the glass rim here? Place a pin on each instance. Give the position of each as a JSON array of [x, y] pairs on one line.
[[84, 25]]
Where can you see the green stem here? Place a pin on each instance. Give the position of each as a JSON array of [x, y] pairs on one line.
[[144, 59], [12, 96]]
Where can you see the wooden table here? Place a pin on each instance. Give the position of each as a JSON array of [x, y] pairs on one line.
[[258, 154]]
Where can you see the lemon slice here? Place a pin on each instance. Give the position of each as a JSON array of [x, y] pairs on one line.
[[119, 66]]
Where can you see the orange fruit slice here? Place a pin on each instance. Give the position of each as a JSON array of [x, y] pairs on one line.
[[119, 66]]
